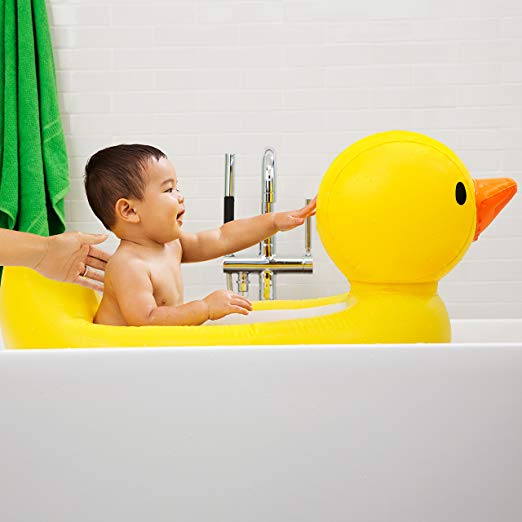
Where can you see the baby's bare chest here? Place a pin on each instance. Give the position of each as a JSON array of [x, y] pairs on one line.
[[167, 282]]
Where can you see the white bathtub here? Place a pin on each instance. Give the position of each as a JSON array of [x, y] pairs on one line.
[[295, 433]]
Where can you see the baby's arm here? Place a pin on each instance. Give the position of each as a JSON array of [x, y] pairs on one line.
[[134, 292], [240, 233]]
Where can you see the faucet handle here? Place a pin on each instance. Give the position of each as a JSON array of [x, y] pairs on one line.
[[308, 233], [230, 171]]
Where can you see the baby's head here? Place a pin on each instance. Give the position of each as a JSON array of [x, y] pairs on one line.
[[133, 191]]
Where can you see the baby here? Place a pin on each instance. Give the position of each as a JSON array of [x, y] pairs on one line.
[[133, 190]]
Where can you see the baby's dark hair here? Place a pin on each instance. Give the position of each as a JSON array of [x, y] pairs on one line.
[[114, 173]]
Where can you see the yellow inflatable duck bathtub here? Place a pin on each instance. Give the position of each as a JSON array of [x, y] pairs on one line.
[[396, 211]]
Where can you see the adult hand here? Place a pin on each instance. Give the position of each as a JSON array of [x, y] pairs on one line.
[[289, 220], [72, 257]]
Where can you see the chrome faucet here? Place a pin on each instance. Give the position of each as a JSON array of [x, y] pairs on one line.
[[266, 265], [266, 247]]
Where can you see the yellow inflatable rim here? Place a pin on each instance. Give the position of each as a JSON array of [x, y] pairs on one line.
[[39, 313]]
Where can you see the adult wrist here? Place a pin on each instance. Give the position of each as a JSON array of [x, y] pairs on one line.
[[39, 251]]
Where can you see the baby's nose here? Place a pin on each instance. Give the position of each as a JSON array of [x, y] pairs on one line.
[[181, 198]]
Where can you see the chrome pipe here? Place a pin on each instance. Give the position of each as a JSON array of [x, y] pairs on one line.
[[230, 167], [308, 233], [295, 265], [230, 284], [242, 283]]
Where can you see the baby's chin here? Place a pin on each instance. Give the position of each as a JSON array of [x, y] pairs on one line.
[[173, 235], [165, 237], [170, 238], [166, 233]]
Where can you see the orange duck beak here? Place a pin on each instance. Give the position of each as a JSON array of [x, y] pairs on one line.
[[491, 196]]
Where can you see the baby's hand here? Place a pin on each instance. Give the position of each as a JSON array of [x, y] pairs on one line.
[[225, 302], [289, 220]]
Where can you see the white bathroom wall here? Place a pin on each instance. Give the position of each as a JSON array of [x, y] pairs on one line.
[[202, 78]]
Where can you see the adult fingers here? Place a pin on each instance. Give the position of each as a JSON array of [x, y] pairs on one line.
[[89, 283], [95, 262], [90, 273], [92, 239], [98, 253]]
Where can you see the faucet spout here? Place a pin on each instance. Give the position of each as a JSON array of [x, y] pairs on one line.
[[268, 180], [268, 171]]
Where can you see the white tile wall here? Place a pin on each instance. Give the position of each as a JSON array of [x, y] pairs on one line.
[[201, 78]]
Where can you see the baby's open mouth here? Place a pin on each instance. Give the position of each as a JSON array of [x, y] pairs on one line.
[[180, 215]]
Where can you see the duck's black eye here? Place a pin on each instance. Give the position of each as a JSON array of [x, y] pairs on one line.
[[460, 193]]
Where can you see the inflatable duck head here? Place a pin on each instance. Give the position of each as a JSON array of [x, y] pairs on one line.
[[400, 207]]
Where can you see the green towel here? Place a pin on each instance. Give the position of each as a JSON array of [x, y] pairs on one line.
[[34, 172]]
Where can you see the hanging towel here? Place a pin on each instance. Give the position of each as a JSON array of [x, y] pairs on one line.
[[34, 172]]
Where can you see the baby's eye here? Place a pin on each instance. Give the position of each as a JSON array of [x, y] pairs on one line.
[[169, 190]]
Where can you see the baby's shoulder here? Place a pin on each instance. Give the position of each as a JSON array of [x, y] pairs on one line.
[[126, 258]]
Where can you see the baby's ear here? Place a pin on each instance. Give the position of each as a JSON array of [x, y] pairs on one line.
[[126, 211]]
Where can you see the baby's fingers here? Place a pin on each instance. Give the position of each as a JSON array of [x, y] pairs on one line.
[[241, 301], [242, 304], [302, 213], [238, 310], [295, 221], [308, 210]]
